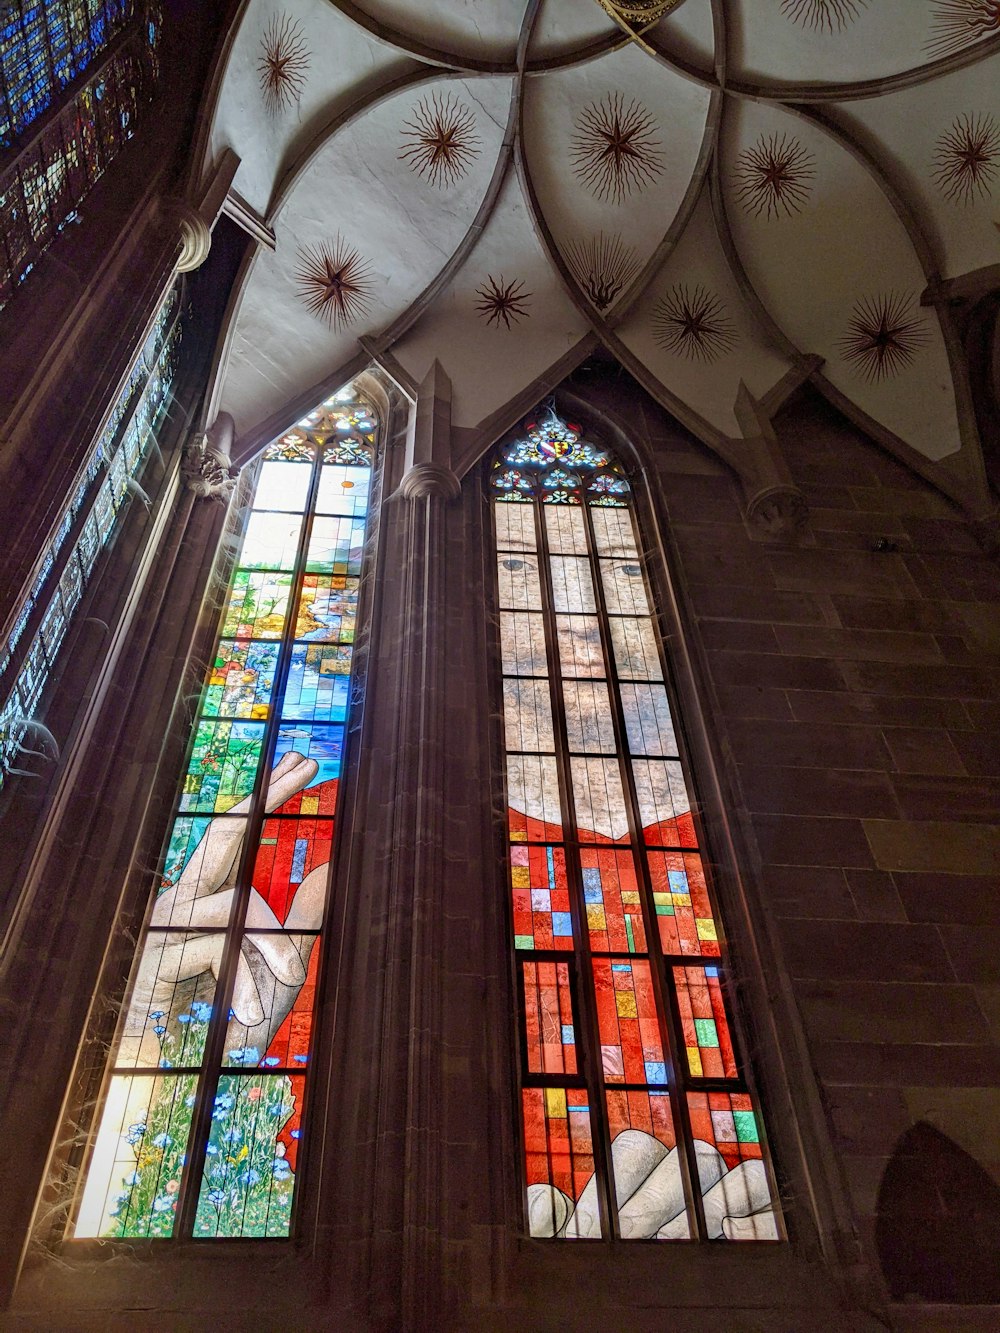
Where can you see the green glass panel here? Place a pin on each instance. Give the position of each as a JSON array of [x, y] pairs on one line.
[[249, 1180], [134, 1177], [258, 604], [223, 765], [241, 679]]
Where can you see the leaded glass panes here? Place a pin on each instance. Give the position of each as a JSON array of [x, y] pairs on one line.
[[202, 1121], [49, 171], [636, 1121], [47, 607]]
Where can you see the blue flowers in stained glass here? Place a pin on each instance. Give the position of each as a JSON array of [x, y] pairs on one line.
[[244, 1055]]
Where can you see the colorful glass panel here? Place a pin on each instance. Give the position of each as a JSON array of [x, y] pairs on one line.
[[559, 1156], [225, 983], [548, 1018], [52, 169], [542, 917], [646, 1136], [48, 605]]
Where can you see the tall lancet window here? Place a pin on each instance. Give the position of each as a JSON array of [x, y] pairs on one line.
[[637, 1122], [201, 1124]]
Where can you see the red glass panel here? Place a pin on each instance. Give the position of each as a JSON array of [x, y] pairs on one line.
[[541, 898], [289, 851], [703, 1018], [558, 1147], [683, 911], [611, 896], [736, 1192], [548, 1018], [631, 1050]]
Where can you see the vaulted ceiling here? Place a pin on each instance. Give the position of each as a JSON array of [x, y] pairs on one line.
[[743, 194]]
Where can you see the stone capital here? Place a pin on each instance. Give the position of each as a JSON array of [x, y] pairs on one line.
[[424, 479], [778, 511], [195, 235]]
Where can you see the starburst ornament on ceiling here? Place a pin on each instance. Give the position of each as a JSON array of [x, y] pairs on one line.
[[440, 140], [692, 322], [284, 60], [956, 24], [966, 158], [334, 282], [603, 266], [615, 150], [883, 336], [502, 302], [774, 176], [823, 15]]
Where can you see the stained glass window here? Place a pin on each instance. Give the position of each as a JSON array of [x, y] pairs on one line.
[[43, 45], [637, 1123], [44, 613], [202, 1118], [49, 167]]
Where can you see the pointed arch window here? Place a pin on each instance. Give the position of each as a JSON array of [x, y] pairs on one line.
[[637, 1121], [201, 1124]]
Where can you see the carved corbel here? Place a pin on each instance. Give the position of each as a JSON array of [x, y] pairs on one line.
[[208, 469], [774, 504], [780, 511], [195, 235], [428, 450]]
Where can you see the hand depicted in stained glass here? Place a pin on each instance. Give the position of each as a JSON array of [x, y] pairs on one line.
[[650, 1189], [185, 948]]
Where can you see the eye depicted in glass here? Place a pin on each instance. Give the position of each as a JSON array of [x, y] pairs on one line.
[[203, 1116], [636, 1121]]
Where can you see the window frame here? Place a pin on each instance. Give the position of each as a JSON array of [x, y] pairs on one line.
[[695, 755], [97, 1068]]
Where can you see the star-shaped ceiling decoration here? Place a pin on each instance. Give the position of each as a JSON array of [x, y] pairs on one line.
[[724, 197]]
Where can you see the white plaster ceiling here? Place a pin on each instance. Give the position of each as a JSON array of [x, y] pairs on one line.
[[864, 106]]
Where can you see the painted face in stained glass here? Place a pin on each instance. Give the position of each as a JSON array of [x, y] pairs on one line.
[[611, 914]]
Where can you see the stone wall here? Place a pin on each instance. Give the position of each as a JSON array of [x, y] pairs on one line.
[[854, 680]]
